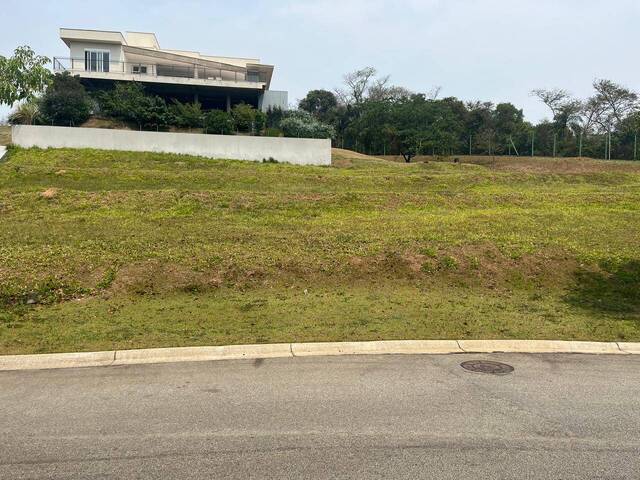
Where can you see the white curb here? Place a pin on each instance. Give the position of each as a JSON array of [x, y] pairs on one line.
[[629, 347], [282, 350], [56, 360], [201, 354], [538, 346], [3, 150], [375, 348]]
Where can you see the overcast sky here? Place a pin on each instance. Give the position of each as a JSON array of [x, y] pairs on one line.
[[494, 50]]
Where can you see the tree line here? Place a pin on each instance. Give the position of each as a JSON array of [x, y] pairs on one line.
[[371, 115]]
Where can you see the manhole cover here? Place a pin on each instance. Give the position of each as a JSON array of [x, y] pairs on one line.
[[487, 366]]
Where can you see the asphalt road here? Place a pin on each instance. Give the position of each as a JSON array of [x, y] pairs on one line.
[[554, 417]]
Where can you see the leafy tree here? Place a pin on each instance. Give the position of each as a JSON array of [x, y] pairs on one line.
[[617, 102], [124, 102], [319, 103], [274, 116], [66, 102], [260, 121], [129, 103], [219, 123], [187, 115], [244, 116], [22, 76], [156, 113], [300, 123]]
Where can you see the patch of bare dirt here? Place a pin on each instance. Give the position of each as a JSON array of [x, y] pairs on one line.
[[50, 193], [154, 277]]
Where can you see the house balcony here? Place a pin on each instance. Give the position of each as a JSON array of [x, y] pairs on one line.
[[177, 74]]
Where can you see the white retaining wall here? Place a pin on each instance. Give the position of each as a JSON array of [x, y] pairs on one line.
[[300, 151]]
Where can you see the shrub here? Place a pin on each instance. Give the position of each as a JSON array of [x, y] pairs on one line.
[[66, 102], [299, 123], [244, 117], [274, 116], [25, 113], [260, 121], [129, 103], [218, 122], [187, 115], [273, 132]]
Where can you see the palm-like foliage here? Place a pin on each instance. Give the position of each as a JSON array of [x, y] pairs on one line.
[[25, 113]]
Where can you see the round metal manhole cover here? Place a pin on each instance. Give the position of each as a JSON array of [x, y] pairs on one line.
[[487, 366]]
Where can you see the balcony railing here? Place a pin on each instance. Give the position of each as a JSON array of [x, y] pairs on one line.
[[76, 65]]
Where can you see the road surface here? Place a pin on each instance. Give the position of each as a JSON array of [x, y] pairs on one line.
[[554, 417]]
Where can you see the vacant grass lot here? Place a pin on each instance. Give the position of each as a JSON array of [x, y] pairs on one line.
[[121, 250]]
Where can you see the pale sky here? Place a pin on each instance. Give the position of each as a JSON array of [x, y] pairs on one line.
[[494, 50]]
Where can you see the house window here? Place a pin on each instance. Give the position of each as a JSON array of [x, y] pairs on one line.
[[96, 60], [141, 69], [253, 76]]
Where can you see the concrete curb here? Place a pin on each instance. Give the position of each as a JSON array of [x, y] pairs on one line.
[[375, 348], [538, 346], [201, 354], [3, 150], [281, 350]]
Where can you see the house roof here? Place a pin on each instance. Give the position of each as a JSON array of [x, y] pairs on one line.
[[142, 39]]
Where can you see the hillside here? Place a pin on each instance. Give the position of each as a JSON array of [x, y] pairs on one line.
[[117, 250]]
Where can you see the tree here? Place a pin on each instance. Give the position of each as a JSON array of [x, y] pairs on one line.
[[300, 123], [187, 115], [66, 102], [274, 116], [618, 101], [219, 123], [129, 102], [260, 121], [244, 116], [554, 98], [22, 76], [319, 103], [357, 84], [590, 114]]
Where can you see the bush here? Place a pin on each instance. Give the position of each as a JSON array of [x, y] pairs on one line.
[[299, 123], [66, 102], [25, 113], [273, 132], [218, 122], [187, 115], [260, 121], [244, 117], [274, 117], [129, 103]]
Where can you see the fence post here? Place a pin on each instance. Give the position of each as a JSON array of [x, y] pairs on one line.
[[635, 146], [555, 139], [533, 141], [580, 149]]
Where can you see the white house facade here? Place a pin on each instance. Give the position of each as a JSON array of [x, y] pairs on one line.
[[101, 58]]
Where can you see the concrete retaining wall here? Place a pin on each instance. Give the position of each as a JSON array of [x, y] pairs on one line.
[[299, 151]]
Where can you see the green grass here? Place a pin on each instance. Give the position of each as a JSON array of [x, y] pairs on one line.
[[136, 250]]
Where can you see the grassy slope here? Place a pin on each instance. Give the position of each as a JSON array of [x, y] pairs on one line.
[[136, 250]]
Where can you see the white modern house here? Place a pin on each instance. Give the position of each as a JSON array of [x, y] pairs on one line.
[[101, 58]]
